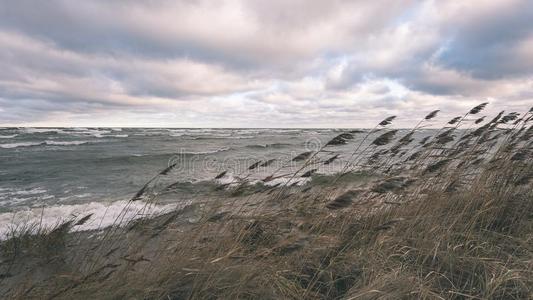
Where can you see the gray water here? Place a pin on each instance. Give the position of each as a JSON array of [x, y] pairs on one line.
[[66, 168], [52, 166]]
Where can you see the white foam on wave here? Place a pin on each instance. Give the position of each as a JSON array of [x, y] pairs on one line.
[[221, 137], [118, 136], [33, 191], [18, 145], [65, 143], [104, 215], [205, 152], [49, 143], [230, 179], [152, 132], [78, 129], [285, 130], [177, 134], [42, 130], [11, 197], [227, 179], [90, 132], [8, 136], [244, 137]]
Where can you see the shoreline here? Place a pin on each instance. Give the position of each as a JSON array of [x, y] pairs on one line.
[[104, 213]]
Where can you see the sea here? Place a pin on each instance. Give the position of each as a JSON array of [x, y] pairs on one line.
[[48, 174]]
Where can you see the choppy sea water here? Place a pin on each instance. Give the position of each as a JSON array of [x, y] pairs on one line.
[[57, 172]]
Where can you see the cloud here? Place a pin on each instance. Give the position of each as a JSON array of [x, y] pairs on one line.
[[486, 38], [256, 63], [246, 32]]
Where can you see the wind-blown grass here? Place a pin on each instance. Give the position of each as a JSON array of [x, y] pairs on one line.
[[449, 217]]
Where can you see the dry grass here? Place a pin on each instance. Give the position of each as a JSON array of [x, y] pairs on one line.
[[33, 241], [449, 218]]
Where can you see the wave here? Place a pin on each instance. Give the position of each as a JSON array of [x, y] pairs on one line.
[[8, 136], [150, 133], [50, 143], [227, 179], [10, 197], [230, 179], [34, 191], [118, 136], [204, 152], [31, 130], [286, 131], [75, 131], [65, 143], [219, 137], [104, 215], [263, 146], [18, 145], [89, 132], [178, 133], [195, 134]]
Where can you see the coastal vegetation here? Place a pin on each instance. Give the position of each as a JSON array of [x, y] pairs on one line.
[[447, 216]]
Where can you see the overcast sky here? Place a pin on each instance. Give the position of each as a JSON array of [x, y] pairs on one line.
[[256, 63]]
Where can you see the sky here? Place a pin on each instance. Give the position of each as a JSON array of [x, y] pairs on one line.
[[255, 63]]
